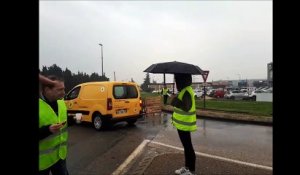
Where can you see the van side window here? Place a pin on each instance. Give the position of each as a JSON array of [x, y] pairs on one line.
[[73, 94], [132, 92], [125, 91], [119, 92]]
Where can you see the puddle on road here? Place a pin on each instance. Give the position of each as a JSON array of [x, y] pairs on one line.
[[156, 119]]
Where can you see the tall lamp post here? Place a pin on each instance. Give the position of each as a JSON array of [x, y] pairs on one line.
[[101, 57], [239, 79]]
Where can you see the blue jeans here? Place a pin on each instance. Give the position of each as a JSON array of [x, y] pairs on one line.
[[59, 168]]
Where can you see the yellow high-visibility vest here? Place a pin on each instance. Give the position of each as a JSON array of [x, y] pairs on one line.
[[165, 91], [53, 147], [182, 120]]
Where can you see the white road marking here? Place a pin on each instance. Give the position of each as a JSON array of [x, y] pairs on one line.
[[218, 157], [134, 154]]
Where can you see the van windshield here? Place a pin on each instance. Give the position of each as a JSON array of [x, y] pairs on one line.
[[125, 91]]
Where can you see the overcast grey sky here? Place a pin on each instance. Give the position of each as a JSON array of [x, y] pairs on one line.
[[231, 39]]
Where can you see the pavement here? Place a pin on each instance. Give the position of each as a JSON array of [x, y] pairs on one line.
[[157, 159], [160, 160]]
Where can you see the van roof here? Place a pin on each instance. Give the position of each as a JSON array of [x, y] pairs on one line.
[[107, 82]]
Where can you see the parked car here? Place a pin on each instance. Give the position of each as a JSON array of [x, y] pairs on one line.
[[199, 93], [219, 94], [252, 96], [269, 90], [236, 94], [211, 92]]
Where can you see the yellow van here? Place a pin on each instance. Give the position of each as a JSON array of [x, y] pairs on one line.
[[102, 103]]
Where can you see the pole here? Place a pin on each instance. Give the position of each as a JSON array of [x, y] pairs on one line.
[[173, 85], [114, 76], [204, 96], [204, 76], [101, 58]]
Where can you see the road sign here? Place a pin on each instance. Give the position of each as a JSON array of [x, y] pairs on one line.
[[205, 75]]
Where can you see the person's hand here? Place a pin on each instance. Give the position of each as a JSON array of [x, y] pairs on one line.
[[45, 80], [54, 128], [172, 97]]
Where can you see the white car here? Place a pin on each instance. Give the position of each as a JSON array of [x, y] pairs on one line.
[[198, 93], [236, 94], [252, 96]]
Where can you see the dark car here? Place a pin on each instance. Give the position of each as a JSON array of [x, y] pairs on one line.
[[219, 94]]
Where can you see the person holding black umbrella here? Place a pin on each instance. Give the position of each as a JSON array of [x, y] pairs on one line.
[[184, 119]]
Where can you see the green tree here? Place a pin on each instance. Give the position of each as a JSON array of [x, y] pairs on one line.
[[145, 85], [71, 79], [67, 74], [55, 70], [94, 77]]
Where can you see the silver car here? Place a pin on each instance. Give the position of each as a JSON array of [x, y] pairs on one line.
[[235, 94]]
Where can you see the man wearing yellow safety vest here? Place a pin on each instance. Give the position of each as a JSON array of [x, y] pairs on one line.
[[184, 119], [52, 129], [165, 91]]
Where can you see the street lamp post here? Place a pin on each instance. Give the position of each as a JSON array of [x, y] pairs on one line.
[[101, 57]]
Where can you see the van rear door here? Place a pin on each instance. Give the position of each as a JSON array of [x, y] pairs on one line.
[[125, 100]]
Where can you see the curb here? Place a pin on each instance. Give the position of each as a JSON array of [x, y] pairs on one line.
[[225, 116]]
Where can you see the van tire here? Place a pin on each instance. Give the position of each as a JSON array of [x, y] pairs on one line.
[[131, 122], [98, 122]]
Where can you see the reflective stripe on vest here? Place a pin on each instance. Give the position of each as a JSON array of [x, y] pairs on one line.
[[53, 147], [177, 110], [48, 151], [182, 120], [184, 123]]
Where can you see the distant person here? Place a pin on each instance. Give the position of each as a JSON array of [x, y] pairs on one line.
[[53, 134], [184, 119], [165, 92]]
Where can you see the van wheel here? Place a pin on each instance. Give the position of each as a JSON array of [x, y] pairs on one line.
[[98, 123], [131, 122]]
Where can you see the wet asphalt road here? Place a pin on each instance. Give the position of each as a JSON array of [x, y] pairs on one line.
[[92, 152], [101, 152], [244, 142]]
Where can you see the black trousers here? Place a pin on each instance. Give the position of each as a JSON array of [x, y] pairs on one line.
[[165, 99], [189, 153], [59, 168]]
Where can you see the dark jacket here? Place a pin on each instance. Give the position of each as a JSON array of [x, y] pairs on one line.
[[182, 81], [185, 104]]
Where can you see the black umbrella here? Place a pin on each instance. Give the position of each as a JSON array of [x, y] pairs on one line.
[[174, 67]]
